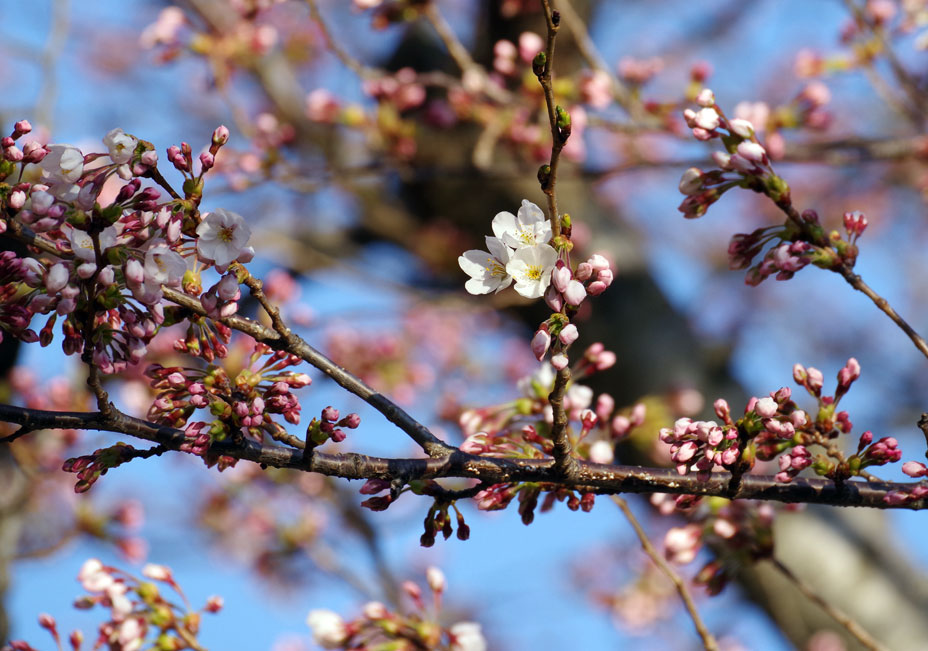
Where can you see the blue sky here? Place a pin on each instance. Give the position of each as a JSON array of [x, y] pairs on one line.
[[513, 576]]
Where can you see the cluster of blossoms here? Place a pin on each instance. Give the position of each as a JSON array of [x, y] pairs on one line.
[[775, 427], [114, 249], [139, 614], [378, 627], [521, 250]]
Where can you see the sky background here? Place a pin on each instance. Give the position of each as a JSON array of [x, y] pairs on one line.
[[511, 577]]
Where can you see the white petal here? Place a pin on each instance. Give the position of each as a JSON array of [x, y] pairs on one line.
[[530, 213], [504, 222]]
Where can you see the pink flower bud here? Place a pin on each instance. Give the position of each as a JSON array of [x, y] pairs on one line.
[[575, 293], [554, 299], [815, 379], [766, 407], [57, 278], [596, 288], [135, 272], [330, 414], [220, 135], [540, 343], [584, 271], [707, 119], [602, 452], [21, 128], [207, 160], [569, 334], [752, 151], [914, 469], [559, 361], [588, 419], [560, 277], [605, 360], [705, 97], [742, 128], [17, 199], [605, 404], [86, 270]]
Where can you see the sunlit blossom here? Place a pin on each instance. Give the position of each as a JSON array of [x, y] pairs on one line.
[[529, 228], [531, 268], [487, 269], [222, 237]]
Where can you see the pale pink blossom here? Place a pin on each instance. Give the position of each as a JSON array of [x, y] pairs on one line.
[[120, 146], [222, 235], [328, 628]]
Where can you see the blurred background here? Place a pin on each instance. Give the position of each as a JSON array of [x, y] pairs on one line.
[[366, 158]]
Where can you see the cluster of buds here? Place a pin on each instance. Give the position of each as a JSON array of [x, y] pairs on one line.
[[775, 426], [743, 163], [499, 496], [740, 532], [378, 627], [139, 614], [243, 404], [701, 445], [328, 427], [105, 283], [89, 468]]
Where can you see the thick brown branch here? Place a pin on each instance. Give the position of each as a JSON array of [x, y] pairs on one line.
[[590, 477]]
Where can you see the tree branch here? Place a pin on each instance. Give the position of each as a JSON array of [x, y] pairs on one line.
[[590, 477], [708, 640]]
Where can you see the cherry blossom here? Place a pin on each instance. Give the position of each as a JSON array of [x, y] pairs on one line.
[[529, 228], [64, 164], [121, 145], [531, 268], [467, 636], [222, 237], [328, 628], [487, 269], [163, 266]]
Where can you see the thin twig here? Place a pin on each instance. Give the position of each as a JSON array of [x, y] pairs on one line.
[[557, 142], [462, 58], [353, 64], [708, 640], [852, 627], [564, 462], [855, 281]]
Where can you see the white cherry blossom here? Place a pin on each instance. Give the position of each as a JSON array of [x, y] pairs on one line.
[[121, 145], [82, 243], [163, 266], [64, 164], [531, 268], [528, 228], [487, 269], [222, 237], [328, 628], [467, 636]]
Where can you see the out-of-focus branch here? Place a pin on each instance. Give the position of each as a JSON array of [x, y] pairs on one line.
[[708, 640], [835, 613], [590, 477]]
